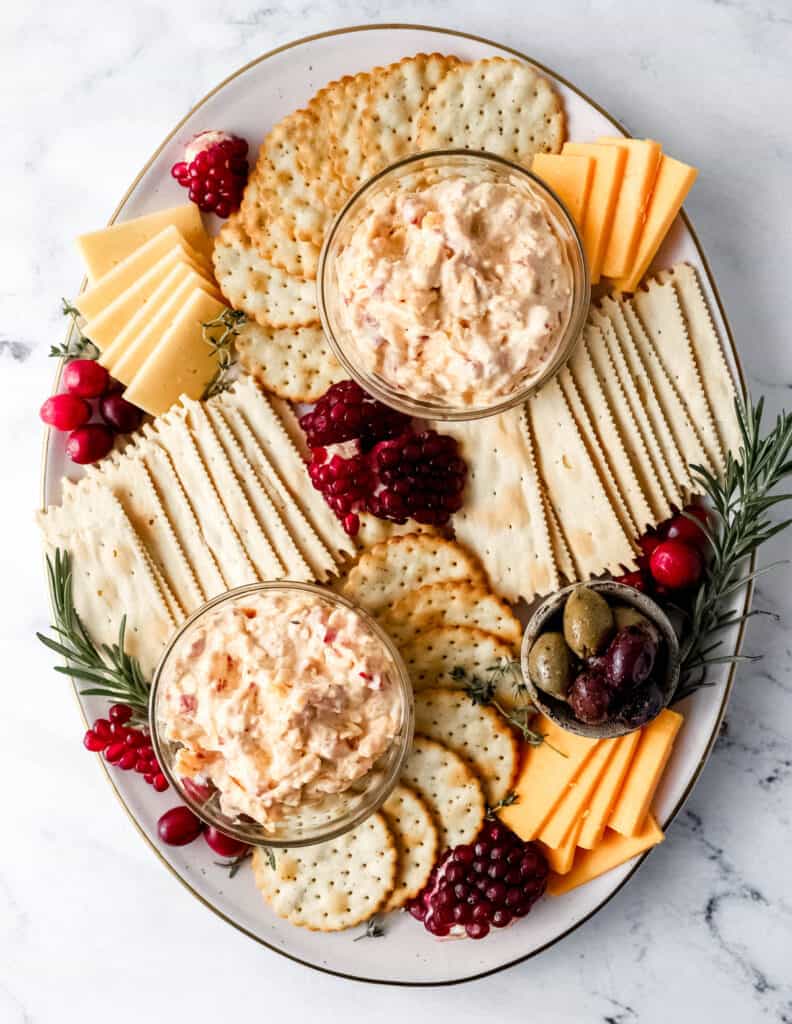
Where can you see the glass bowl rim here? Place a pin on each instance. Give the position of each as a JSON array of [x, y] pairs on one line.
[[374, 800], [426, 409]]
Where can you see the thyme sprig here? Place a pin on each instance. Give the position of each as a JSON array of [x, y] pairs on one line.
[[741, 500], [232, 866], [507, 801], [219, 334], [483, 690], [108, 668], [77, 346]]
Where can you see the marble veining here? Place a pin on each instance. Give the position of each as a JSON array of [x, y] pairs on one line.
[[91, 927]]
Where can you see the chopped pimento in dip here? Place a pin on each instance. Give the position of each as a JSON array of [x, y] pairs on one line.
[[460, 291], [279, 700]]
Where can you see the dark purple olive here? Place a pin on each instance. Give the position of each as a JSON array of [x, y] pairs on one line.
[[120, 414], [589, 697], [644, 704], [630, 657]]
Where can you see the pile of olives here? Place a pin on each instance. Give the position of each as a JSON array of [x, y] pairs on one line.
[[601, 663]]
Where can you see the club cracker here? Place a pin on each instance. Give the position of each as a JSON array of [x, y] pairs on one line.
[[502, 518], [708, 350], [388, 129], [677, 466], [451, 604], [340, 106], [675, 410], [596, 539], [277, 244], [390, 570], [659, 484], [262, 291], [334, 885], [476, 732], [500, 106], [657, 306], [415, 835], [375, 531], [293, 362], [450, 789], [111, 574], [435, 657]]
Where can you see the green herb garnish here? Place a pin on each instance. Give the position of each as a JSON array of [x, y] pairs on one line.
[[75, 347], [219, 334]]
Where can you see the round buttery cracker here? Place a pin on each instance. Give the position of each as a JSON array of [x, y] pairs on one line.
[[264, 292], [450, 656], [292, 362], [415, 834], [451, 604], [449, 787], [477, 732], [390, 570], [500, 106], [332, 885]]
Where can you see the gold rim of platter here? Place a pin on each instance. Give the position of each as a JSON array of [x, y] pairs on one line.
[[405, 26]]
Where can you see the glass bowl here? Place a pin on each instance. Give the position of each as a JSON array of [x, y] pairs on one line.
[[314, 823], [547, 616], [416, 172]]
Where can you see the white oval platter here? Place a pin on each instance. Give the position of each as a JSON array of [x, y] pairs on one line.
[[249, 103]]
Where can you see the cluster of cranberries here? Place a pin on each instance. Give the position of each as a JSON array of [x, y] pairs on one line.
[[214, 171], [673, 556], [366, 456], [124, 746], [480, 885], [86, 382]]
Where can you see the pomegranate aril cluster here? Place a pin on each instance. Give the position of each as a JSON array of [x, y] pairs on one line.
[[366, 457], [124, 746], [214, 172], [481, 885]]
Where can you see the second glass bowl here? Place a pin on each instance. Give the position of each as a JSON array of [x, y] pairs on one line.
[[314, 823], [419, 171]]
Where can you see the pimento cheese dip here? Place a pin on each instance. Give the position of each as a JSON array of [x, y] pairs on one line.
[[459, 291], [279, 700]]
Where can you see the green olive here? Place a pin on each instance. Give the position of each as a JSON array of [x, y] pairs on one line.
[[550, 665], [624, 615], [588, 622]]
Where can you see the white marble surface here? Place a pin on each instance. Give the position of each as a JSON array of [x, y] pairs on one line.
[[91, 927]]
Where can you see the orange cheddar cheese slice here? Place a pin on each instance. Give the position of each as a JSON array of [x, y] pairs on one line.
[[654, 749], [609, 164], [569, 177], [569, 811], [545, 775], [560, 859], [674, 181], [640, 172], [614, 850], [604, 797]]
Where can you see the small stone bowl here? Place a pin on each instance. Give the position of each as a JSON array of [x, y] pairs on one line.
[[548, 616]]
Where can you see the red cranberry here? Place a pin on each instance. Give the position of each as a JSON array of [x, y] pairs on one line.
[[683, 529], [179, 826], [198, 791], [676, 565], [636, 580], [223, 845], [89, 443], [648, 543], [65, 412], [119, 414], [85, 378]]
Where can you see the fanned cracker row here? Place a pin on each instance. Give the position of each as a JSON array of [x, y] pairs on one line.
[[451, 604], [415, 835], [708, 351], [476, 732], [588, 521], [257, 287], [450, 789], [502, 519], [292, 362], [332, 885], [435, 657], [563, 559], [501, 106], [111, 574], [390, 570]]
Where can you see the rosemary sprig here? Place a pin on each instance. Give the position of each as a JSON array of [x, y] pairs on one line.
[[79, 347], [219, 334], [108, 668], [374, 930], [232, 866], [741, 500]]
